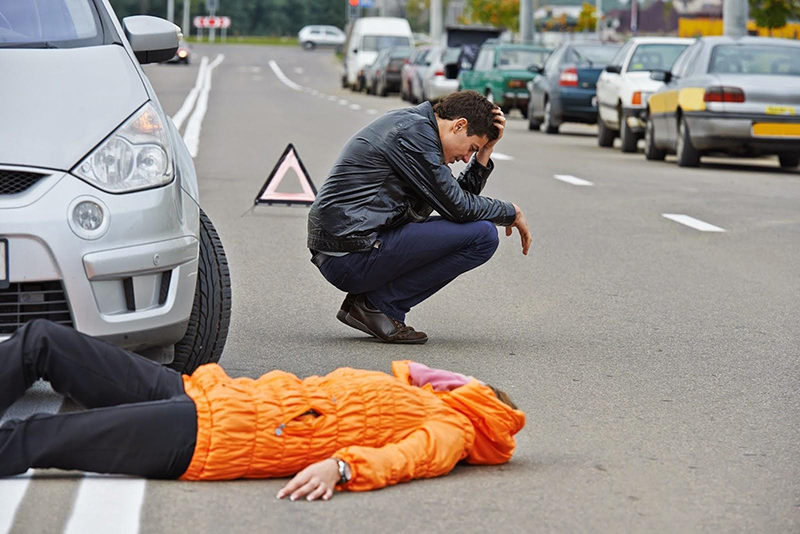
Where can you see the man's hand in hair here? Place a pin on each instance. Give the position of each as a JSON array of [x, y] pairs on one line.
[[521, 224], [315, 481], [486, 151]]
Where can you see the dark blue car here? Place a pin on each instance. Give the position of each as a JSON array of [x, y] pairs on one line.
[[565, 91]]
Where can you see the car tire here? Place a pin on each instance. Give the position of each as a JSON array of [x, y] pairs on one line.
[[211, 312], [789, 161], [627, 138], [533, 123], [687, 154], [605, 135], [524, 111], [308, 45], [548, 118], [651, 151]]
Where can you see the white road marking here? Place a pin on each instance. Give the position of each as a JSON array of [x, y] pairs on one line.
[[355, 107], [12, 491], [572, 179], [255, 70], [501, 157], [343, 102], [191, 98], [697, 224], [282, 77], [192, 134], [298, 70], [107, 504], [372, 111], [257, 78], [333, 98]]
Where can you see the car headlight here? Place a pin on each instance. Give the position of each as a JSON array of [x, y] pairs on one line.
[[135, 157]]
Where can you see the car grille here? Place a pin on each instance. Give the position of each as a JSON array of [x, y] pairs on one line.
[[24, 302], [12, 182]]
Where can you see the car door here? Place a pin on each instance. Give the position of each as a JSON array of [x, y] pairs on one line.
[[680, 79], [608, 87], [540, 82]]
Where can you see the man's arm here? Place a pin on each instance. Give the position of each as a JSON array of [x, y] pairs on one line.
[[473, 179]]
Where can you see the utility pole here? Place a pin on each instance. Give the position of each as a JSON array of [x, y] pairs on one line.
[[187, 30], [526, 23], [734, 17], [436, 21], [171, 10]]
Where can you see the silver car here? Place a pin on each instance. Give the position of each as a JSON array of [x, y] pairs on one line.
[[100, 226], [737, 96]]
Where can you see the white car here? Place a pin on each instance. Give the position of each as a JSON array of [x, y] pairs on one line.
[[625, 85], [311, 37]]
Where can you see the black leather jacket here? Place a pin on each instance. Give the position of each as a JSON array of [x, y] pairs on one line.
[[393, 173]]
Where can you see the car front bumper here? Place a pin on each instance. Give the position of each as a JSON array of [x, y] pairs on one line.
[[744, 132], [133, 286]]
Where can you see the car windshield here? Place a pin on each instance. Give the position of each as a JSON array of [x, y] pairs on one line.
[[520, 58], [400, 53], [594, 55], [753, 59], [49, 24], [655, 57], [373, 43]]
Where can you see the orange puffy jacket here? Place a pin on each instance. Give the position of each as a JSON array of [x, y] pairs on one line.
[[386, 429]]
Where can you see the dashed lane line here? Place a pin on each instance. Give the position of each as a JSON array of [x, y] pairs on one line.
[[574, 180], [191, 98], [107, 504], [501, 157], [282, 77], [12, 491], [192, 134], [691, 222]]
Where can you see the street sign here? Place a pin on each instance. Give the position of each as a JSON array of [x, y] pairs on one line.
[[365, 3], [212, 22]]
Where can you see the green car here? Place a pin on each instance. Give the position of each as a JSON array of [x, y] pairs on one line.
[[501, 73]]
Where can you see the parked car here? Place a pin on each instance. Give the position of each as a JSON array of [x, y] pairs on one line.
[[387, 77], [368, 75], [565, 91], [367, 37], [440, 77], [501, 72], [183, 54], [736, 96], [100, 223], [311, 37], [409, 72], [625, 84]]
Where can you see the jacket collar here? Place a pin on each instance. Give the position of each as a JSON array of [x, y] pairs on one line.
[[426, 109]]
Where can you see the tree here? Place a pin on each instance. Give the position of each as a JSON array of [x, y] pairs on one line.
[[587, 19], [773, 13], [498, 13]]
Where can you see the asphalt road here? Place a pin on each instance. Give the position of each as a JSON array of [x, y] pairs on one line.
[[658, 364]]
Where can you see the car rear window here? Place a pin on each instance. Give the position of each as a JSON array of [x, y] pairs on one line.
[[594, 55], [519, 58], [400, 53], [374, 43], [49, 24], [451, 55], [655, 57], [755, 59]]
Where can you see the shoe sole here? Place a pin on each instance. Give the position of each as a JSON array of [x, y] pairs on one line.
[[358, 325]]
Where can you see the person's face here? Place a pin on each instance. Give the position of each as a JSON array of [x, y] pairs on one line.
[[457, 145]]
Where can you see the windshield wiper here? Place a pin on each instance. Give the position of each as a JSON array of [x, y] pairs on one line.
[[34, 44]]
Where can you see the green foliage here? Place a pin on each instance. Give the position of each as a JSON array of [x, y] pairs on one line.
[[587, 20], [774, 13], [249, 17], [498, 13]]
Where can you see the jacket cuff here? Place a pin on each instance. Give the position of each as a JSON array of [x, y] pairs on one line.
[[481, 171], [510, 215]]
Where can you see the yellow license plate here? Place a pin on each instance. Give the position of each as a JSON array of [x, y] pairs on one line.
[[776, 129], [780, 110]]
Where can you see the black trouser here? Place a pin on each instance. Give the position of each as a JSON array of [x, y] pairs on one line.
[[139, 420]]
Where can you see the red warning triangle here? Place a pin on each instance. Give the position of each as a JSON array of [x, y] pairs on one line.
[[288, 161]]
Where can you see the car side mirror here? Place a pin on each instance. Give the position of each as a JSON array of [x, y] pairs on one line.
[[152, 39], [661, 76], [614, 69], [536, 68], [451, 71]]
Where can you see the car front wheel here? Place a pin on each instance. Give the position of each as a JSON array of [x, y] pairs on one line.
[[308, 45], [627, 138], [211, 312], [605, 135]]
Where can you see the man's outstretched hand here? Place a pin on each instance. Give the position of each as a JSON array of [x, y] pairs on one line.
[[315, 481], [521, 224]]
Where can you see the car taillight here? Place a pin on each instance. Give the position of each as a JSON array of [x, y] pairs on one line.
[[636, 100], [569, 77], [519, 83], [439, 73], [724, 93]]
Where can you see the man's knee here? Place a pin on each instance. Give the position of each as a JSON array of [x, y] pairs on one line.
[[486, 237]]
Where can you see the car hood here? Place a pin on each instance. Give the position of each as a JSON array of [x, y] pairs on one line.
[[641, 81], [56, 105]]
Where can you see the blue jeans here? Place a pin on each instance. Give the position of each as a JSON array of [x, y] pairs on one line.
[[412, 262]]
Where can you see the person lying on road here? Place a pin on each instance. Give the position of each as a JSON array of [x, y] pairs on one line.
[[391, 174], [349, 430]]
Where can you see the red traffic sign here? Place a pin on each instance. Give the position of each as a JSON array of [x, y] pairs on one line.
[[212, 22]]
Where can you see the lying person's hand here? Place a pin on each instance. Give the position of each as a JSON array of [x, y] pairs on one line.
[[521, 224], [315, 481]]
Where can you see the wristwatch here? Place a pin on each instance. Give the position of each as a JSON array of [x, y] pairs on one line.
[[344, 471]]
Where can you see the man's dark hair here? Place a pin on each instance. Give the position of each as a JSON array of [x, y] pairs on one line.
[[503, 397], [472, 106]]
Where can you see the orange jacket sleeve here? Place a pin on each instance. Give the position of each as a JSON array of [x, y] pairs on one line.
[[430, 451]]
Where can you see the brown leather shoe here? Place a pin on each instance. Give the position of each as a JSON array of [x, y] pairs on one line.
[[345, 309], [380, 325]]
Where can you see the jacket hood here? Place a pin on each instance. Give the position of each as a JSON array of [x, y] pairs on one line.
[[56, 105], [495, 423]]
